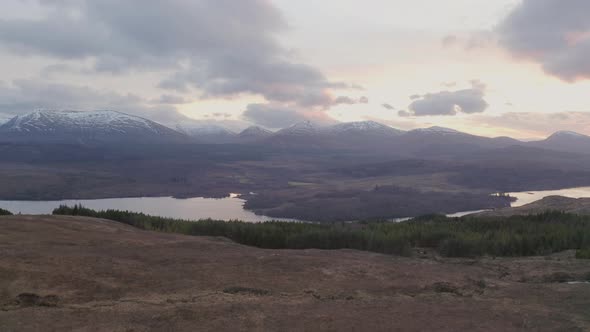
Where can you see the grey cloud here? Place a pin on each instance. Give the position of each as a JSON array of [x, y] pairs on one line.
[[467, 101], [553, 33], [414, 97], [220, 47], [388, 107], [171, 99], [272, 116], [350, 101], [24, 96], [345, 100]]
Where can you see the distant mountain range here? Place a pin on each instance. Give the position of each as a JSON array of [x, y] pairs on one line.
[[116, 127], [85, 127]]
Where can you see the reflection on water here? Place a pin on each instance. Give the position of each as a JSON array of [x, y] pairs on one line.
[[230, 208], [527, 197]]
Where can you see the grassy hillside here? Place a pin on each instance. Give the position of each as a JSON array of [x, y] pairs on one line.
[[514, 236]]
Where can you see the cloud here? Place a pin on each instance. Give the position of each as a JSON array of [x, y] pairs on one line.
[[388, 107], [350, 101], [25, 96], [467, 101], [276, 116], [223, 48], [553, 33], [534, 124], [272, 116], [171, 100], [345, 100]]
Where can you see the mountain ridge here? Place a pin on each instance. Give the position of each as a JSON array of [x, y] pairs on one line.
[[86, 127]]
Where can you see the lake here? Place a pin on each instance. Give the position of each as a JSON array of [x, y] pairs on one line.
[[527, 197], [230, 208]]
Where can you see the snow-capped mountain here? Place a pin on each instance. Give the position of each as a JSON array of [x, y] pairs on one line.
[[207, 132], [254, 133], [5, 118], [85, 127], [305, 128], [438, 131], [362, 127], [564, 134]]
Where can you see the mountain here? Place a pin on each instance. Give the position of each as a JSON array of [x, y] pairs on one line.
[[373, 136], [371, 128], [86, 127], [301, 129], [301, 135], [253, 134], [437, 142], [5, 118], [565, 141], [436, 130], [207, 133]]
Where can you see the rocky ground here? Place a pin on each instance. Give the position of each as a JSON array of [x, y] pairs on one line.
[[66, 273]]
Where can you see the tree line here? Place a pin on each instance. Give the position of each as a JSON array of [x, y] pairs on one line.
[[532, 235]]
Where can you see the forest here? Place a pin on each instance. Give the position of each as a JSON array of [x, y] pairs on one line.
[[533, 235]]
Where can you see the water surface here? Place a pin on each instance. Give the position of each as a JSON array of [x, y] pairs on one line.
[[230, 208], [527, 197]]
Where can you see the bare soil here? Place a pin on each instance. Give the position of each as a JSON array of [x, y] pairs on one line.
[[82, 274]]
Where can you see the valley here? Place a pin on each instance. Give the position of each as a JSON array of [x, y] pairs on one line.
[[344, 172]]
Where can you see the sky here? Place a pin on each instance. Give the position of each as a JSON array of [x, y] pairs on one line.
[[515, 68]]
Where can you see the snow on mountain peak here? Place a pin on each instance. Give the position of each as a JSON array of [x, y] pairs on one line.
[[40, 121], [82, 126], [364, 127], [437, 130], [299, 129], [255, 131], [565, 133]]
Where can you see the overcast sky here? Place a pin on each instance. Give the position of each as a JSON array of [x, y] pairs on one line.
[[502, 67]]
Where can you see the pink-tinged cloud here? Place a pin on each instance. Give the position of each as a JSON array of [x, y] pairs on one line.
[[553, 33], [534, 125]]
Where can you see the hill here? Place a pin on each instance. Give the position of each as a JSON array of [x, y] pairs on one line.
[[73, 273], [551, 203], [566, 141]]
